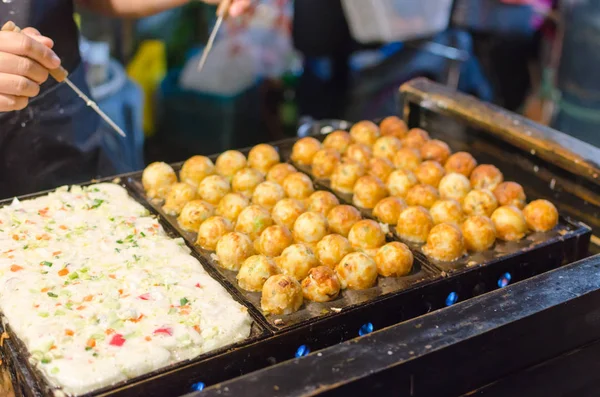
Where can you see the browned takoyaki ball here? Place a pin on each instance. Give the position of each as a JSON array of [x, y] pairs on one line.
[[211, 231], [510, 223], [414, 224], [296, 261], [267, 194], [435, 150], [232, 205], [388, 210], [287, 211], [479, 202], [157, 179], [322, 202], [338, 140], [445, 243], [366, 234], [298, 186], [479, 233], [407, 159], [321, 285], [400, 182], [179, 195], [194, 213], [278, 173], [233, 249], [368, 191], [357, 271], [393, 126], [273, 240], [255, 271], [331, 249], [341, 219], [415, 138], [262, 157], [380, 168], [324, 163], [195, 169], [486, 176], [213, 188], [310, 227], [360, 153], [230, 162], [510, 193], [246, 180], [461, 163], [541, 215], [253, 220], [454, 186], [446, 211], [304, 150], [422, 195], [394, 260], [430, 173], [365, 132], [281, 294], [386, 147], [345, 176]]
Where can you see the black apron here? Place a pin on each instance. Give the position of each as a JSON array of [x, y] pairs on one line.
[[56, 140]]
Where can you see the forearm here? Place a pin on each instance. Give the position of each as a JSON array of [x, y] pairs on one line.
[[130, 8]]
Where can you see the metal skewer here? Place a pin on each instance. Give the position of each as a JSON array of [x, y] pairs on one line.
[[222, 13]]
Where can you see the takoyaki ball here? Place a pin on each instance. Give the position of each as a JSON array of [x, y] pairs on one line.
[[386, 147], [232, 205], [422, 195], [454, 186], [298, 186], [211, 231], [246, 180], [341, 219], [479, 233], [255, 271], [338, 140], [345, 176], [400, 182], [357, 271], [310, 227], [415, 138], [213, 188], [388, 210], [332, 249], [461, 163], [446, 211], [480, 202], [407, 159], [253, 220], [366, 235], [287, 211], [430, 173], [414, 224], [393, 126], [360, 153], [194, 213], [195, 169], [321, 285], [510, 223], [296, 261], [435, 150], [281, 294], [445, 243], [368, 191], [394, 260], [486, 176], [230, 162], [541, 215], [262, 157], [274, 240], [267, 194], [365, 132], [179, 195], [510, 193], [157, 179], [278, 173], [325, 162], [233, 249], [380, 168], [304, 150], [322, 202]]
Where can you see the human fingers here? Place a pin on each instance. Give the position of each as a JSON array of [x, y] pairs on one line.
[[239, 7], [36, 35], [21, 66], [12, 84], [23, 45], [9, 103]]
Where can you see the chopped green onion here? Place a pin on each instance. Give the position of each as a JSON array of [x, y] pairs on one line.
[[46, 263], [73, 275], [46, 360], [52, 295], [54, 370], [183, 301], [97, 203]]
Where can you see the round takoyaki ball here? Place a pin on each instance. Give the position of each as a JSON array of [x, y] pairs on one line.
[[325, 162], [321, 285], [194, 213], [322, 202], [510, 223], [253, 220], [479, 233], [267, 194], [287, 211], [461, 163], [407, 159], [157, 179], [211, 231], [195, 169], [262, 157], [341, 219], [366, 235], [414, 224], [454, 186], [233, 249], [230, 162], [394, 260], [368, 191], [510, 193], [298, 186], [345, 176], [246, 180], [213, 188], [435, 150], [445, 243], [281, 294], [415, 138], [310, 227], [541, 215], [255, 271], [232, 205], [486, 176], [430, 173], [423, 195], [388, 210], [479, 202], [360, 153], [446, 211], [400, 182], [304, 150], [278, 173], [380, 168], [386, 147], [274, 240], [365, 132], [338, 140], [393, 126], [296, 261], [179, 195], [332, 249], [357, 271]]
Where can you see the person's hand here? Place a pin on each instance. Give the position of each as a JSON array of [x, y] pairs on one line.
[[25, 59], [238, 7]]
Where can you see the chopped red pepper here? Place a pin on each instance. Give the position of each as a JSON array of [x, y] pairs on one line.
[[15, 268], [198, 285], [145, 297], [117, 340], [164, 331]]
